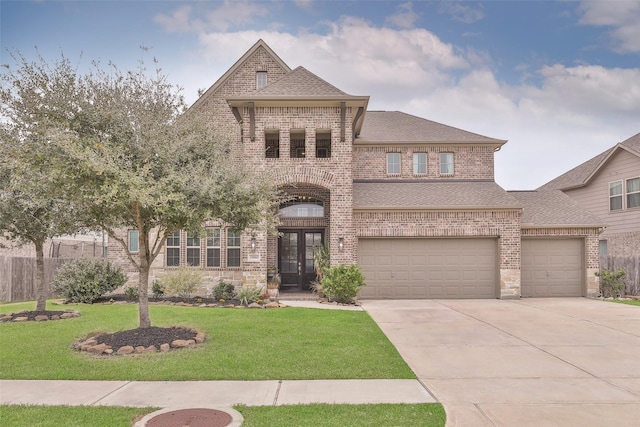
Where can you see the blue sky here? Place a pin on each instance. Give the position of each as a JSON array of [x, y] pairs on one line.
[[559, 79]]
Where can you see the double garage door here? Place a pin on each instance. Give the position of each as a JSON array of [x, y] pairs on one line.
[[552, 267], [410, 268]]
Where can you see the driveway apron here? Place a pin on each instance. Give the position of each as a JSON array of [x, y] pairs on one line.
[[528, 362]]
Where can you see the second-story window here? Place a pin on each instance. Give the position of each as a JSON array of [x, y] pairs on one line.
[[419, 163], [633, 193], [446, 163], [297, 144], [272, 144], [261, 79], [323, 144], [615, 195], [393, 163]]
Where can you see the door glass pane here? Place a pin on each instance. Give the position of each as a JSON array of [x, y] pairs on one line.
[[311, 241], [289, 255]]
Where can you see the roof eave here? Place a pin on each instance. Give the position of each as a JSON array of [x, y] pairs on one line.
[[288, 100], [364, 143], [547, 226]]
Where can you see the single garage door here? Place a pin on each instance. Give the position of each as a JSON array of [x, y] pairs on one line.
[[428, 268], [552, 267]]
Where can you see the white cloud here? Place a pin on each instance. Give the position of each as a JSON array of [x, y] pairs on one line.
[[622, 16], [462, 13], [404, 18], [228, 15]]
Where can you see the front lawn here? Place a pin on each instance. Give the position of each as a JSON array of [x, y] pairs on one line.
[[317, 415], [242, 344]]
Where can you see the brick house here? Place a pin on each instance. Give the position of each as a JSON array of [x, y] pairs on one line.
[[412, 202]]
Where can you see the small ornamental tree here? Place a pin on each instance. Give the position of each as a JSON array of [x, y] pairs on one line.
[[33, 206], [129, 155]]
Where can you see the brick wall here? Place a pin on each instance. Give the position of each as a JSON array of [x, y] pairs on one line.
[[470, 162]]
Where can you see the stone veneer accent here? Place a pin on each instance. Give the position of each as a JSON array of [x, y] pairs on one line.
[[623, 244]]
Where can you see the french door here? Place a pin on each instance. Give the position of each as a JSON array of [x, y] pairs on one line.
[[295, 257]]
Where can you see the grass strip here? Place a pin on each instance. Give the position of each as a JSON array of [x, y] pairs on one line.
[[70, 416], [324, 415]]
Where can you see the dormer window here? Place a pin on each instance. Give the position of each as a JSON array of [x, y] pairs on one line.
[[261, 79]]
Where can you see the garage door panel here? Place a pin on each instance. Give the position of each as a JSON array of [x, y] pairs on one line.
[[552, 267], [429, 268]]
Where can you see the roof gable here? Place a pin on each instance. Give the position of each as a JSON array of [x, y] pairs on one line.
[[260, 44], [384, 127], [582, 174]]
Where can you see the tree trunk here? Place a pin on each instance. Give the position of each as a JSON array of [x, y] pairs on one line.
[[143, 282], [41, 296]]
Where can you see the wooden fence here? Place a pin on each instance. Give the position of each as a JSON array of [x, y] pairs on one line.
[[18, 277], [631, 265]]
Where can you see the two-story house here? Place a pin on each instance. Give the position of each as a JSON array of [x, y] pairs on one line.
[[412, 202], [608, 185]]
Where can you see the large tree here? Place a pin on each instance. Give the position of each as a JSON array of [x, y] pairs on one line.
[[132, 157], [33, 208]]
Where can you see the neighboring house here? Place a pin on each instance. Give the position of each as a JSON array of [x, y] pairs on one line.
[[608, 185], [412, 202]]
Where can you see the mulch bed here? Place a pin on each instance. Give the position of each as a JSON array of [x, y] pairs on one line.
[[38, 315], [145, 337]]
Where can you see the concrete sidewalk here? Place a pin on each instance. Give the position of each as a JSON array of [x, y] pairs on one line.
[[169, 394]]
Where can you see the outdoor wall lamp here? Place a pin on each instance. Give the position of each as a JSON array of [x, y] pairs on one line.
[[341, 244], [253, 244]]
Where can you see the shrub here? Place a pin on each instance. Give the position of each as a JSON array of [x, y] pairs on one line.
[[182, 282], [224, 290], [342, 283], [157, 289], [249, 294], [85, 280], [611, 283], [131, 293]]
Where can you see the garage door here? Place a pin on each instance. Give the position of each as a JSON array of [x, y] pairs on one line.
[[429, 268], [552, 268]]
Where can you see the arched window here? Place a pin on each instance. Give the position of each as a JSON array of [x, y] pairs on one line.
[[302, 207]]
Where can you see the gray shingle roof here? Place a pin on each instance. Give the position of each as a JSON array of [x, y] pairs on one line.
[[580, 175], [431, 195], [298, 83], [553, 208], [395, 126]]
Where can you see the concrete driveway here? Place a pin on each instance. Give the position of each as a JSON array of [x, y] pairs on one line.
[[530, 362]]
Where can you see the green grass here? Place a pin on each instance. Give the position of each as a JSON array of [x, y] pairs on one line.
[[321, 415], [626, 301], [70, 416], [317, 415], [242, 344]]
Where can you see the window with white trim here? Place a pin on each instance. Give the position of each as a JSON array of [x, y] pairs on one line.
[[633, 193], [615, 195], [173, 250], [393, 163], [261, 79], [134, 240], [446, 163], [233, 248], [419, 163], [193, 250], [213, 247]]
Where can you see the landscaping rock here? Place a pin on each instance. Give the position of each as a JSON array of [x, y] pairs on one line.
[[42, 318], [21, 319], [139, 349], [97, 349], [182, 343], [273, 304], [165, 347], [127, 349], [255, 305]]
